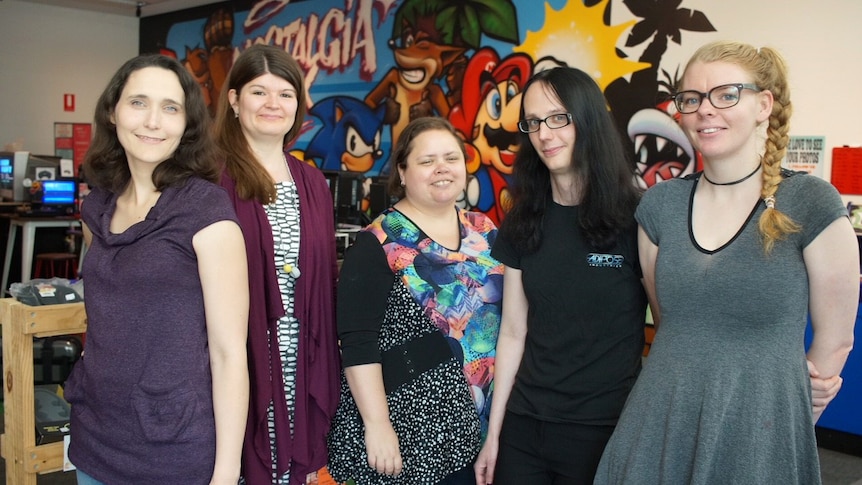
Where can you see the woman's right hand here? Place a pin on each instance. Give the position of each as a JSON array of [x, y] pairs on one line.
[[381, 444], [486, 462]]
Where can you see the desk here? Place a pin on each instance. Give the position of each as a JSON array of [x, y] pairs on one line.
[[28, 237], [342, 240]]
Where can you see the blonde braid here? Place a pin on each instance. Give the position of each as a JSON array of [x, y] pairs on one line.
[[774, 225]]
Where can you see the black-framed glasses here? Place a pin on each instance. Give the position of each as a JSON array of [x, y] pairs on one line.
[[553, 122], [722, 97]]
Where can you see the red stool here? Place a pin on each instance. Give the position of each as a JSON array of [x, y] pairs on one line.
[[59, 265]]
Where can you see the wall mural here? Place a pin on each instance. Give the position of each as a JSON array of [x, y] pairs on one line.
[[373, 65]]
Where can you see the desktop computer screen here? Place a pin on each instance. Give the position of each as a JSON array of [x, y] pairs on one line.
[[59, 192], [7, 177]]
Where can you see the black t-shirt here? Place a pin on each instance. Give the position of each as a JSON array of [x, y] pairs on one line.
[[585, 323]]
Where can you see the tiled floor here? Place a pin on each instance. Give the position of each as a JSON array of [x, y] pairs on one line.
[[840, 469], [837, 469]]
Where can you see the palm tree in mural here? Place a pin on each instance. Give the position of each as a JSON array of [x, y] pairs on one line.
[[472, 19], [661, 20], [462, 23]]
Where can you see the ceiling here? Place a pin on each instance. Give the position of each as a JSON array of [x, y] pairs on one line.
[[127, 7]]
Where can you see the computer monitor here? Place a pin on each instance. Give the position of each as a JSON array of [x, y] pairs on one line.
[[59, 193], [7, 176], [348, 191], [378, 196], [13, 172]]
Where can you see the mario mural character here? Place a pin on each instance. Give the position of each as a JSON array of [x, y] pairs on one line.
[[488, 119]]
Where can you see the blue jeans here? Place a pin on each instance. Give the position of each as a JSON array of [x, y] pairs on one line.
[[84, 479]]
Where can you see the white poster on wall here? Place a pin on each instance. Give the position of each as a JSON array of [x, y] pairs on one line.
[[806, 154]]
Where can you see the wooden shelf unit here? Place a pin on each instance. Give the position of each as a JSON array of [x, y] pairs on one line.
[[21, 323]]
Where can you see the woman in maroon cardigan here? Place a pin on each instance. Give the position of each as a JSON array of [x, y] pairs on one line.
[[285, 210]]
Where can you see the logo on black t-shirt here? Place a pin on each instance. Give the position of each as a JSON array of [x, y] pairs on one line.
[[605, 260]]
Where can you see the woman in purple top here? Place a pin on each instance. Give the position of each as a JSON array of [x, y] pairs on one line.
[[162, 391], [285, 209]]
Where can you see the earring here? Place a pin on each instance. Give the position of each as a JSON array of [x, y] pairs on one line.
[[402, 183], [236, 114]]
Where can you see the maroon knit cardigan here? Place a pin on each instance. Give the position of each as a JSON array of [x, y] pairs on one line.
[[318, 364]]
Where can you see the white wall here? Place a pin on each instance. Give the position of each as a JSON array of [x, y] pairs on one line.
[[822, 44], [47, 51]]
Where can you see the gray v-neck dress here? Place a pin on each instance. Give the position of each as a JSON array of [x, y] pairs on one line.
[[724, 396]]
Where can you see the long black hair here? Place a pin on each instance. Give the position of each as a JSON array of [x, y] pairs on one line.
[[609, 194]]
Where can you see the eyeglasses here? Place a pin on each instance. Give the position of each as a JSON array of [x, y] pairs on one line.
[[722, 97], [553, 122]]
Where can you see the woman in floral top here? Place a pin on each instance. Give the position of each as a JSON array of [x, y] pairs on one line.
[[418, 315]]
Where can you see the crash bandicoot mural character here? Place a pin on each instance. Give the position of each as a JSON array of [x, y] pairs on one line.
[[429, 40], [408, 91]]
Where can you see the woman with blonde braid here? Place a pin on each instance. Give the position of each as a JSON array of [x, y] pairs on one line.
[[734, 259]]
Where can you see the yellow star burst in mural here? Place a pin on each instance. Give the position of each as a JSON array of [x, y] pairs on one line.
[[577, 36]]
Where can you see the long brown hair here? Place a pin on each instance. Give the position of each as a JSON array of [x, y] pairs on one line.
[[252, 180], [769, 72]]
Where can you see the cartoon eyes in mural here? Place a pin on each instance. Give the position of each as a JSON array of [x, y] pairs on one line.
[[494, 102], [358, 148], [401, 42]]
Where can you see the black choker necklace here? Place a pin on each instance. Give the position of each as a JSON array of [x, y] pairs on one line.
[[743, 179]]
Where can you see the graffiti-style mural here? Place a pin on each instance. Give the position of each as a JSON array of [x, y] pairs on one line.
[[373, 65]]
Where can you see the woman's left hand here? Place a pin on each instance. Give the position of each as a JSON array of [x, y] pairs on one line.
[[823, 391]]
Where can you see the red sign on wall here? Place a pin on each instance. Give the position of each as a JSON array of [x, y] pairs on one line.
[[847, 170], [72, 140], [68, 102]]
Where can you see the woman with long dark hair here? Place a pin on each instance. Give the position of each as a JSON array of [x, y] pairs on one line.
[[572, 331], [285, 209]]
